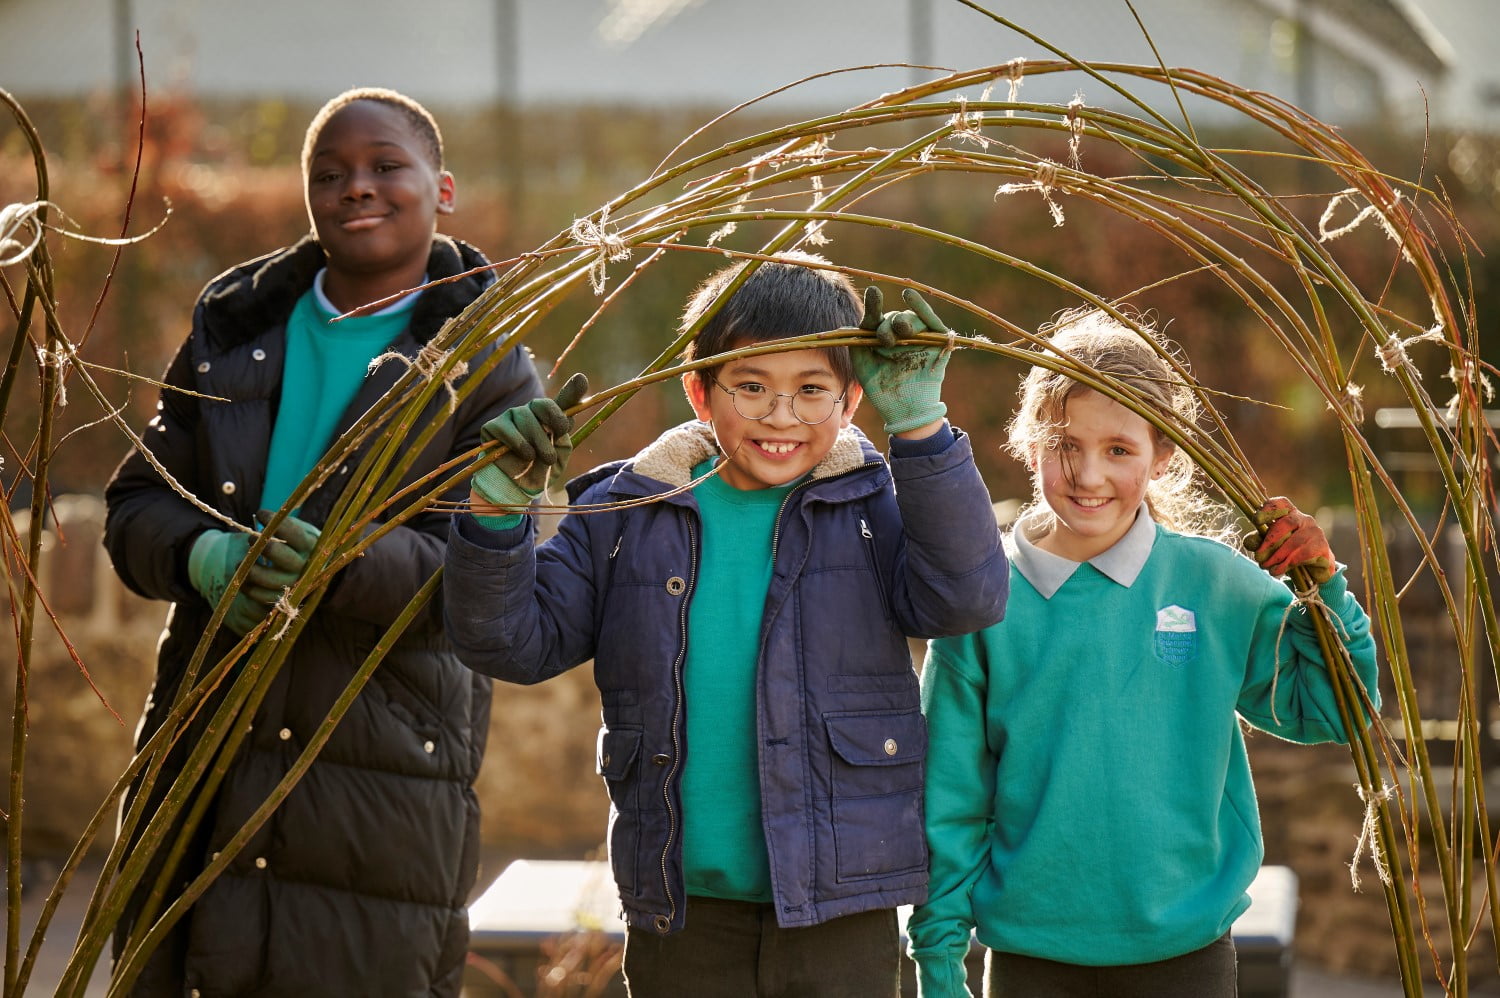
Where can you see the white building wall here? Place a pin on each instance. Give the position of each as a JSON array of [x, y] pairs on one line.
[[712, 53]]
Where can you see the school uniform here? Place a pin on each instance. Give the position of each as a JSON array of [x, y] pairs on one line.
[[1095, 806]]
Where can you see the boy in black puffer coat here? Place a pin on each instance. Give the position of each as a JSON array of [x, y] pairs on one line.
[[358, 883]]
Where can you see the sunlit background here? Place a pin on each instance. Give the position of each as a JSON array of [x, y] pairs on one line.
[[550, 108]]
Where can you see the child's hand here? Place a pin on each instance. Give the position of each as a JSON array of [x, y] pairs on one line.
[[216, 556], [537, 441], [299, 535], [903, 383], [282, 564], [1292, 538]]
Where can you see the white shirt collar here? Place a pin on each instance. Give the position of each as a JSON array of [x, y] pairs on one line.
[[328, 306], [1047, 572]]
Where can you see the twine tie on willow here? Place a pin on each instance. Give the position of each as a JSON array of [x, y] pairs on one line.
[[429, 362], [1015, 75], [1370, 210], [1368, 839], [965, 123], [1044, 183], [1075, 130], [60, 357], [287, 610], [609, 246]]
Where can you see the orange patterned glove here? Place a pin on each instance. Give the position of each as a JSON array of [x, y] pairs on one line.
[[1291, 538]]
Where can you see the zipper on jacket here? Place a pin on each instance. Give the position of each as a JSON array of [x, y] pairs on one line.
[[874, 562], [618, 541], [666, 788], [775, 546], [776, 534]]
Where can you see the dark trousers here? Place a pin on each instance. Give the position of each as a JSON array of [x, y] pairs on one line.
[[1206, 973], [735, 949]]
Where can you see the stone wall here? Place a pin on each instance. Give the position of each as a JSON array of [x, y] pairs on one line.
[[1311, 817], [538, 789], [81, 726]]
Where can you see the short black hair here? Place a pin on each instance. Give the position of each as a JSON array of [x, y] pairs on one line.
[[422, 122], [794, 295]]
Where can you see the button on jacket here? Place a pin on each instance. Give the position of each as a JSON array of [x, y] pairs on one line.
[[861, 560]]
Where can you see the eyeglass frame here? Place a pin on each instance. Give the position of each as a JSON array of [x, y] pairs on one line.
[[776, 398]]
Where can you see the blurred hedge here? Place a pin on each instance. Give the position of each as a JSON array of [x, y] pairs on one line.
[[230, 174]]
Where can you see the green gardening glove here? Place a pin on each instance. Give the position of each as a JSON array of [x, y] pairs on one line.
[[903, 383], [216, 556], [537, 442], [244, 614], [212, 562], [284, 559]]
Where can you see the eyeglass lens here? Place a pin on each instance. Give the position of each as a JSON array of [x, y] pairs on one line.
[[811, 405]]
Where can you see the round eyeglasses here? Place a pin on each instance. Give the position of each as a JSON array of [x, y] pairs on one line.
[[809, 405]]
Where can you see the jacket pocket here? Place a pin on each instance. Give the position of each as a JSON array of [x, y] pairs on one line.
[[615, 760], [876, 780]]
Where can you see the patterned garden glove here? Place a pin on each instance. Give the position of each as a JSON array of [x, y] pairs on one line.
[[537, 441], [1292, 538], [903, 383]]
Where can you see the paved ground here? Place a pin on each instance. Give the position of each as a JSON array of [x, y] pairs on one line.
[[1307, 981], [62, 934]]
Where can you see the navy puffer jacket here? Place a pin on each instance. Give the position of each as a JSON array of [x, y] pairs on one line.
[[860, 563], [358, 884]]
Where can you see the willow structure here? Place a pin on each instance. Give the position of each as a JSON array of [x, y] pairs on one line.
[[795, 186]]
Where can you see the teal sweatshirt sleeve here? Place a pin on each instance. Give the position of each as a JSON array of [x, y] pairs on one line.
[[960, 806], [1288, 688]]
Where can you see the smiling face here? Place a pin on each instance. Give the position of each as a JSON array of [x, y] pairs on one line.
[[374, 194], [779, 449], [1095, 478]]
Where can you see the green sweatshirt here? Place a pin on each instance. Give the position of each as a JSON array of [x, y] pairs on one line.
[[1090, 800], [723, 846], [325, 364]]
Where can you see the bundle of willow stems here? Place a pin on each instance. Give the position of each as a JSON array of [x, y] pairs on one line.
[[807, 178]]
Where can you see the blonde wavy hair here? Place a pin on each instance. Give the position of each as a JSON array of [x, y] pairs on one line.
[[1102, 343]]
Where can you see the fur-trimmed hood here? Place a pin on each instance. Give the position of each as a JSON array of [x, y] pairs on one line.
[[671, 457], [242, 302]]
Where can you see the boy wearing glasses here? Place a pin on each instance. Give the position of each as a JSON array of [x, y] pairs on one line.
[[746, 592]]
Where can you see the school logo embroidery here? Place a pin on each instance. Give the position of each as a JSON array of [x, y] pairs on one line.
[[1176, 634]]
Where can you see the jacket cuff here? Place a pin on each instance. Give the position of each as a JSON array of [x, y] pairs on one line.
[[927, 446], [906, 466], [499, 538], [1337, 585]]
